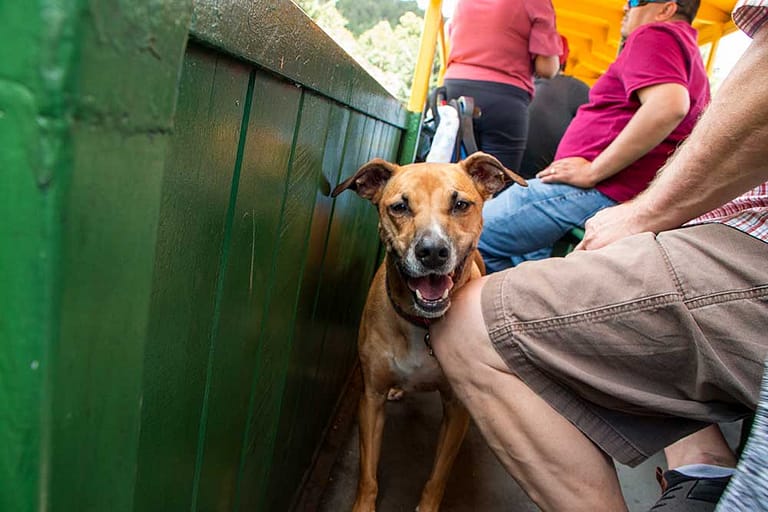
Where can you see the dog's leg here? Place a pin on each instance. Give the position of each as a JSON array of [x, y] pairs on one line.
[[371, 417], [452, 430]]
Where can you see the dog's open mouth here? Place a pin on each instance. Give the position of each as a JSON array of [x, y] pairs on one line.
[[431, 291]]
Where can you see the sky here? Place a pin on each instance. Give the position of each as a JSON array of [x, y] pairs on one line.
[[729, 50]]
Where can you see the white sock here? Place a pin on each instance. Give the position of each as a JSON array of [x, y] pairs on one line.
[[705, 470]]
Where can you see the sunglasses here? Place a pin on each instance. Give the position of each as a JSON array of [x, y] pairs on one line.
[[640, 3]]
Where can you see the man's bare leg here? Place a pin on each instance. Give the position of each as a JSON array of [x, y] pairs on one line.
[[557, 466], [707, 446]]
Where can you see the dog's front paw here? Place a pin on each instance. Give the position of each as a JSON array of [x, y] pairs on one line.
[[394, 394]]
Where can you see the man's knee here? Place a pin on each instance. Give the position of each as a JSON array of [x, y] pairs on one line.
[[461, 332]]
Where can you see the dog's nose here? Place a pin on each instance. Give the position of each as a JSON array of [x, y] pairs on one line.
[[432, 252]]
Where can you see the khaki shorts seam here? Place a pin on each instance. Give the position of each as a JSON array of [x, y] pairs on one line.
[[758, 292], [594, 315], [635, 306], [671, 268]]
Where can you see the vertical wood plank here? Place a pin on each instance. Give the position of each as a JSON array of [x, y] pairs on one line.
[[247, 276], [196, 194], [340, 336], [356, 252], [279, 326], [302, 419]]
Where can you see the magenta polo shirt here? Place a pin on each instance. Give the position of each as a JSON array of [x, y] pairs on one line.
[[653, 54], [496, 40]]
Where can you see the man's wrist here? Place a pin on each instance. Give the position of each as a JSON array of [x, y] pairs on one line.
[[650, 218]]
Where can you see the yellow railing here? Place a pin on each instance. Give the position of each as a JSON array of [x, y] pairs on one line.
[[433, 26]]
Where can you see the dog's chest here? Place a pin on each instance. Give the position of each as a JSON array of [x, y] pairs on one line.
[[415, 368]]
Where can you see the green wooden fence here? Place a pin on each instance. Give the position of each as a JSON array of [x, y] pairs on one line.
[[179, 295]]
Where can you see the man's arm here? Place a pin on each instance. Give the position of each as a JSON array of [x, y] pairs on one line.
[[663, 107], [546, 66], [725, 155]]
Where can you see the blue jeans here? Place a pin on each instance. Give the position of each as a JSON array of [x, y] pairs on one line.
[[522, 223]]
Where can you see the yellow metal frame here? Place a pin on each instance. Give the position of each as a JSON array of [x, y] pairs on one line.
[[433, 26]]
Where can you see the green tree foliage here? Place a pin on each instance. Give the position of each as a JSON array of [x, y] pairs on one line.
[[325, 14], [393, 52], [388, 51], [365, 14]]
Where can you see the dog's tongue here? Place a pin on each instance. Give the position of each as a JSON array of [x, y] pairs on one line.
[[431, 287]]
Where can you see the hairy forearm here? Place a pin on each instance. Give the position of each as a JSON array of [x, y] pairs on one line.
[[725, 155], [656, 118]]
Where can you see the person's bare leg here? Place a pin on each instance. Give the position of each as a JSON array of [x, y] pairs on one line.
[[557, 466], [707, 446]]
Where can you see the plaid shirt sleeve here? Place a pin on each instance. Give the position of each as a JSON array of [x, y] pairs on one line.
[[749, 15]]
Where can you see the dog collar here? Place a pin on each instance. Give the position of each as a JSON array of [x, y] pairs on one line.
[[418, 321]]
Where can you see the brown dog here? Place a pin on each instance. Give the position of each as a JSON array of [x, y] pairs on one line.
[[430, 218]]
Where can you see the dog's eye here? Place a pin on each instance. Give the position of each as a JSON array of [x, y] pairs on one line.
[[399, 208], [460, 205]]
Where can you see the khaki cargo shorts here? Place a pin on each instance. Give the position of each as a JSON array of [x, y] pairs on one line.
[[643, 342]]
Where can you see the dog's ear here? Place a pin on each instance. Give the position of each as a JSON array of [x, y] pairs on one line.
[[368, 180], [489, 174]]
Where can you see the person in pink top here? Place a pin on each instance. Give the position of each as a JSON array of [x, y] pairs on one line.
[[497, 46], [644, 105], [645, 338]]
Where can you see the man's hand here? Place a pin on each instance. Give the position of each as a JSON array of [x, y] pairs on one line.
[[574, 171], [609, 225]]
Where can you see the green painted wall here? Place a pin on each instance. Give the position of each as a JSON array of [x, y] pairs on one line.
[[179, 293]]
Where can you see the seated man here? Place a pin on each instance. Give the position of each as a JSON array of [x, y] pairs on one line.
[[651, 333], [639, 111]]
